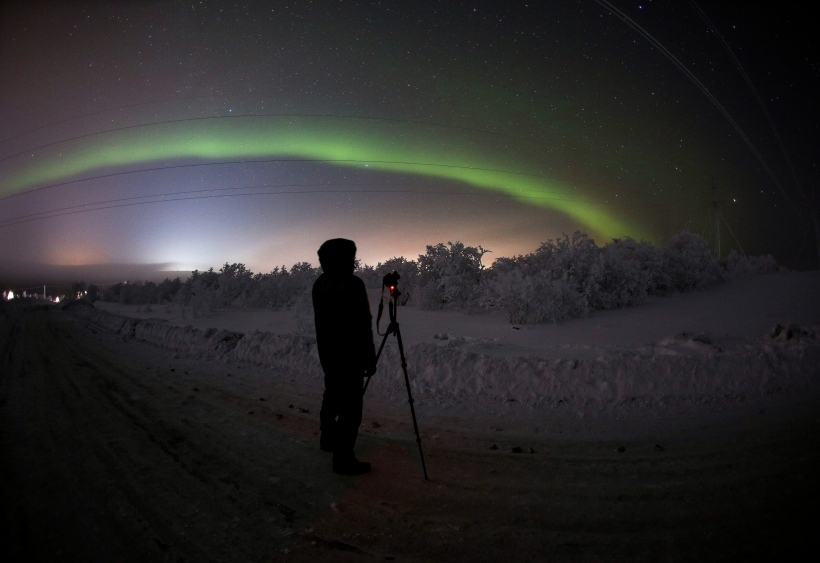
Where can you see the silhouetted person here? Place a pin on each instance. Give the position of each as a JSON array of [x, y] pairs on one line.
[[344, 337]]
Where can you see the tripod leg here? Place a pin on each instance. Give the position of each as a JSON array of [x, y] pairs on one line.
[[379, 353], [410, 399]]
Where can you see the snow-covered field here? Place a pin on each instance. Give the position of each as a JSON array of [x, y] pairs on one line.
[[707, 347]]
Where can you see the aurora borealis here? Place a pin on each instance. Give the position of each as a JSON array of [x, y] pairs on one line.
[[397, 150], [180, 136]]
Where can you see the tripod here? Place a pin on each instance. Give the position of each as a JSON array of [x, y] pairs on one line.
[[391, 281]]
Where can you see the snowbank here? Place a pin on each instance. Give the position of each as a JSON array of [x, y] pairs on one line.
[[292, 351], [678, 371], [684, 369], [117, 324]]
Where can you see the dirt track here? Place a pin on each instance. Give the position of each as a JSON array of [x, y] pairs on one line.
[[114, 450]]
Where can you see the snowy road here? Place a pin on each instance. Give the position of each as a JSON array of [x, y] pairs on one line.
[[113, 449]]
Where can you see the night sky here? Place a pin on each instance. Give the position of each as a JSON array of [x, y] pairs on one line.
[[170, 136]]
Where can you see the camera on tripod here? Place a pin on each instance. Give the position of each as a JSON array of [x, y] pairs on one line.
[[391, 282]]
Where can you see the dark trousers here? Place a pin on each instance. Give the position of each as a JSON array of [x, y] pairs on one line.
[[341, 412]]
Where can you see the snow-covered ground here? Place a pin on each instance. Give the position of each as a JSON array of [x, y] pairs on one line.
[[612, 438], [678, 352]]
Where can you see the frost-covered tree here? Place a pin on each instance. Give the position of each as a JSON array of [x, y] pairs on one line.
[[268, 290], [281, 287], [628, 273], [551, 284], [737, 266], [450, 273], [167, 290], [204, 287], [567, 277], [234, 281], [689, 263], [368, 274], [574, 259]]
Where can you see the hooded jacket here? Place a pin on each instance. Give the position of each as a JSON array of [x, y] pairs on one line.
[[344, 334]]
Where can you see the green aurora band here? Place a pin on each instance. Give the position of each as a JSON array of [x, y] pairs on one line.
[[512, 167]]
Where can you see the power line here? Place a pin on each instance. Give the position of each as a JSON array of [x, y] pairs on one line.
[[165, 194], [300, 160], [531, 121], [93, 113], [118, 203]]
